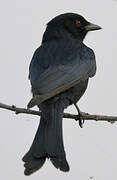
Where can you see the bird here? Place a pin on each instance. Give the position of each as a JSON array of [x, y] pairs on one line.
[[59, 73]]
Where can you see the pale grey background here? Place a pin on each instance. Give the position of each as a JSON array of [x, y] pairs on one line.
[[91, 151]]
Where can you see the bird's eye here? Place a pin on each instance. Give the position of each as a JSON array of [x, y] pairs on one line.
[[78, 23]]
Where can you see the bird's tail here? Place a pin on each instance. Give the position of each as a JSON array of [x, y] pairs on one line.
[[48, 142]]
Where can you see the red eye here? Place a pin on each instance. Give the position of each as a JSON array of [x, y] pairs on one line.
[[78, 23]]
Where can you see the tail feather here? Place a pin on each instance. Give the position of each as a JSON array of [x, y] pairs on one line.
[[48, 142], [60, 163], [33, 166]]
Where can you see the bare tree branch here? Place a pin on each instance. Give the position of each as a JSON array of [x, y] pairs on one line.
[[85, 116]]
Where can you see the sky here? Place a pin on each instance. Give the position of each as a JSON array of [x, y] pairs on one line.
[[91, 151]]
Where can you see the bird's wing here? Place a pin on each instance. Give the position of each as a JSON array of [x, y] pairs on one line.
[[57, 79]]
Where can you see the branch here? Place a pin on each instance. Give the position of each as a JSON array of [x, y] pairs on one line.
[[83, 115]]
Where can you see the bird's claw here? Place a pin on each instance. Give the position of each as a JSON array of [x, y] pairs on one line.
[[81, 121], [80, 118]]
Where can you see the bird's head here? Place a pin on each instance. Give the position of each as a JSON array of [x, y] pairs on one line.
[[69, 25]]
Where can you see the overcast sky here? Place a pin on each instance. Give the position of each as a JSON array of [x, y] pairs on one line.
[[91, 151]]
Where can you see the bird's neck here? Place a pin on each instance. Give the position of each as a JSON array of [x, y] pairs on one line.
[[58, 33]]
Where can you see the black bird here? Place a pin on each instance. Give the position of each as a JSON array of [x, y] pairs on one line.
[[59, 74]]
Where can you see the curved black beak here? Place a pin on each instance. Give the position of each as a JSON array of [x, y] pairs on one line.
[[92, 27]]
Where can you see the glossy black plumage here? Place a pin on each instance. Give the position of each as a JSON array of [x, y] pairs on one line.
[[67, 60], [61, 68]]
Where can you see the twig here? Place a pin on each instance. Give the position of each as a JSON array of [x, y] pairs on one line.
[[84, 115]]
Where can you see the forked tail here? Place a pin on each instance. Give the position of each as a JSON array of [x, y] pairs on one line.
[[48, 141]]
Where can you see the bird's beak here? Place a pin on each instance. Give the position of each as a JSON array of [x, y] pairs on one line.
[[92, 27]]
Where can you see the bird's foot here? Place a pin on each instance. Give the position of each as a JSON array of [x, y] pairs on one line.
[[80, 118]]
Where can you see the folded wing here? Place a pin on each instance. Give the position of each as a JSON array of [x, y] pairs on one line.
[[57, 79]]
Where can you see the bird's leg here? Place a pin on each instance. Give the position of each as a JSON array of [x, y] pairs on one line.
[[81, 120]]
